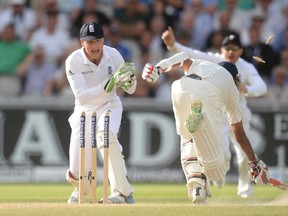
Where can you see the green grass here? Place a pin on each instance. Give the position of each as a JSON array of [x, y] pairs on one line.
[[151, 199]]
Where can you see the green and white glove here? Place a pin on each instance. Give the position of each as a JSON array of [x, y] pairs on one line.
[[124, 77]]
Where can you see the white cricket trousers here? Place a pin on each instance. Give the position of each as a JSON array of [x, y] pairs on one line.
[[207, 137]]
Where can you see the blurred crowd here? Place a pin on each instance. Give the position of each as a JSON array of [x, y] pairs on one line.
[[36, 36]]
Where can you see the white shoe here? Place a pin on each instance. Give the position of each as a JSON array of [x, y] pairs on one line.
[[73, 199], [118, 198], [198, 195]]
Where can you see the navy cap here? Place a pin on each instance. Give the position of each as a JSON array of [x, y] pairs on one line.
[[232, 39], [90, 31], [230, 67]]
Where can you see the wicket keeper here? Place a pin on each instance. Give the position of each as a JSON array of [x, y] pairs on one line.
[[94, 73]]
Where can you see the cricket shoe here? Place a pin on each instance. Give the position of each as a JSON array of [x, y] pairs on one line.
[[198, 195], [118, 198], [195, 117], [73, 199]]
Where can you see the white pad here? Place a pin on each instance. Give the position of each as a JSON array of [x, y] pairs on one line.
[[117, 170], [166, 64], [190, 164], [210, 154], [192, 169]]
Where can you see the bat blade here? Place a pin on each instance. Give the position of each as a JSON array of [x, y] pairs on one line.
[[279, 184]]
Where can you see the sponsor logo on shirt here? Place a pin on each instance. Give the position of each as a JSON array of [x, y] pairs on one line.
[[109, 70], [88, 72]]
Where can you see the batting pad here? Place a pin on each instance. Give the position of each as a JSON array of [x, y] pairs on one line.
[[190, 164], [117, 170], [209, 151]]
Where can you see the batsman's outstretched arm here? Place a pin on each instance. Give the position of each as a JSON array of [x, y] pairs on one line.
[[243, 140], [151, 73], [259, 171]]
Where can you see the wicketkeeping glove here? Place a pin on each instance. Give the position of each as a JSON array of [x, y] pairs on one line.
[[150, 73], [259, 172], [124, 77]]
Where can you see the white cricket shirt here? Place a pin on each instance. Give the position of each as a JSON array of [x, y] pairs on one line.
[[87, 79]]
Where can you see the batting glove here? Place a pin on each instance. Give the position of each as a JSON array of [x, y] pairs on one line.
[[259, 172], [124, 77], [150, 73]]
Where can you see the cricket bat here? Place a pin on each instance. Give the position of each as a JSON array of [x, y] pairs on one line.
[[279, 184]]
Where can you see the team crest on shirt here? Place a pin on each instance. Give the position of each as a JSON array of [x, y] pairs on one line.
[[109, 70]]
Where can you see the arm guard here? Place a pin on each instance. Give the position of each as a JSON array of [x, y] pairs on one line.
[[167, 64]]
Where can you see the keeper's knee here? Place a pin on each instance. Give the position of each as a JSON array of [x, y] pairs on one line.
[[75, 182], [101, 139]]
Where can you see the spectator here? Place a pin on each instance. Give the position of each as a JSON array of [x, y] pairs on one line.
[[158, 9], [145, 41], [106, 6], [4, 4], [244, 4], [90, 8], [54, 40], [183, 37], [274, 18], [214, 41], [280, 41], [23, 18], [224, 24], [157, 48], [262, 50], [114, 40], [12, 53], [37, 73], [173, 9], [200, 22], [257, 19], [132, 18], [284, 58], [278, 89], [238, 17], [208, 6], [72, 7], [61, 85], [51, 7]]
